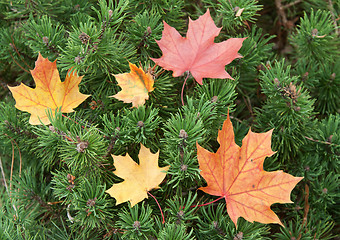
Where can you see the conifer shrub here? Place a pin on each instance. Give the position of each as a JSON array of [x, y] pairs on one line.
[[56, 173]]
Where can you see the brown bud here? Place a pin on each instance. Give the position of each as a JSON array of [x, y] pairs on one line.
[[71, 178], [110, 13], [136, 224], [78, 59], [305, 76], [325, 190], [81, 146], [52, 129], [277, 82], [148, 30], [214, 99], [315, 32], [91, 202], [215, 224], [180, 214], [329, 139], [84, 38], [140, 124], [70, 187], [184, 167], [183, 134], [239, 236], [45, 40], [333, 75]]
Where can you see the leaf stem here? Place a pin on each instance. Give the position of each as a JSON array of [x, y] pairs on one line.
[[208, 202], [73, 120], [158, 206], [185, 81]]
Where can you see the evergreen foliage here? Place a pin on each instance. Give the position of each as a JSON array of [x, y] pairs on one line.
[[54, 178]]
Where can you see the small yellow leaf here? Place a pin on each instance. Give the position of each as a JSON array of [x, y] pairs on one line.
[[49, 93], [135, 85], [139, 179]]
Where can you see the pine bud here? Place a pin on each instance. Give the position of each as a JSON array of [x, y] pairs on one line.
[[215, 224], [81, 146], [78, 59], [329, 139], [136, 224], [315, 32], [91, 202], [325, 190], [180, 214], [239, 236], [70, 178], [183, 134], [45, 40], [277, 82], [52, 129], [214, 99], [297, 109], [84, 38], [110, 13], [184, 167], [140, 124], [333, 75], [148, 30]]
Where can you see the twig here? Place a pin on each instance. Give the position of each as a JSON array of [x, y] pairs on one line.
[[331, 9], [306, 210], [10, 180], [3, 176], [323, 142], [20, 158], [15, 48], [281, 12], [291, 4]]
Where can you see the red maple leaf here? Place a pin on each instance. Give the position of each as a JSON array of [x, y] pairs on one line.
[[197, 52], [236, 174]]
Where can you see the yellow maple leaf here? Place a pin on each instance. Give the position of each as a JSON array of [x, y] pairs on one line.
[[139, 179], [135, 85], [49, 93]]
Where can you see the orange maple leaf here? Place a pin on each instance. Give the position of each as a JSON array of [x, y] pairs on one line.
[[236, 173], [139, 179], [197, 52], [49, 93], [135, 85]]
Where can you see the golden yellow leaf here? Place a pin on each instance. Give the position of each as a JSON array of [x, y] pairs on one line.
[[135, 85], [49, 93], [139, 179]]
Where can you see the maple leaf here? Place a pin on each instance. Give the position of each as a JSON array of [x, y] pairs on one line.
[[135, 85], [197, 52], [49, 93], [139, 179], [236, 173]]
